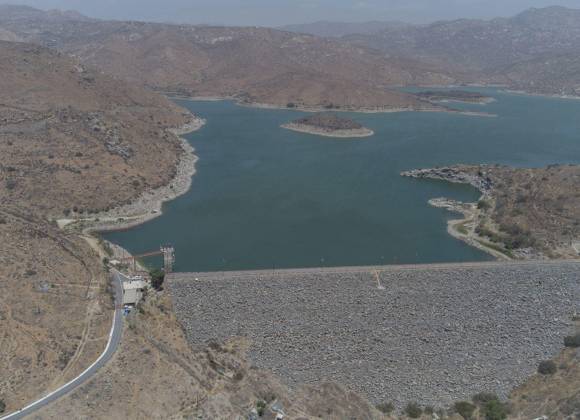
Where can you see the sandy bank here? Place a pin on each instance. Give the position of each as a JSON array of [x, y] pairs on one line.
[[482, 101], [308, 129], [544, 95]]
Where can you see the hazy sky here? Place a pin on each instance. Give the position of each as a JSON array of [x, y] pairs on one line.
[[280, 12]]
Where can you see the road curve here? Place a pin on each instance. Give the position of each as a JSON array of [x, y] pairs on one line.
[[112, 345]]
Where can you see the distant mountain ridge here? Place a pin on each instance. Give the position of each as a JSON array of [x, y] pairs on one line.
[[254, 65], [535, 51], [330, 29]]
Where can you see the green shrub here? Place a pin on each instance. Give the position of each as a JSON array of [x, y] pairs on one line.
[[261, 407], [464, 409], [483, 398], [572, 341], [10, 184], [495, 410], [290, 105], [386, 408], [483, 205], [157, 278], [2, 406], [413, 410], [547, 367]]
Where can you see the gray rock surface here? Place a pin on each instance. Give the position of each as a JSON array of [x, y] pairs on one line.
[[432, 334]]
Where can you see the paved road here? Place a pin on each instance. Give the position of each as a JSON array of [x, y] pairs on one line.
[[112, 345]]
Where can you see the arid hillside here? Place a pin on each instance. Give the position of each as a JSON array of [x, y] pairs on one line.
[[538, 207], [253, 64], [74, 140], [71, 140], [535, 51], [55, 312], [524, 213]]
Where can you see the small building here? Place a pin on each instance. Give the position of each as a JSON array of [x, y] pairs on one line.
[[133, 290]]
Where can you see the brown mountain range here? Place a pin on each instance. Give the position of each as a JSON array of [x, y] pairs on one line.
[[253, 64], [536, 51], [70, 139]]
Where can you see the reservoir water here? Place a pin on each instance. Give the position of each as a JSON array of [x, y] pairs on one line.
[[265, 197]]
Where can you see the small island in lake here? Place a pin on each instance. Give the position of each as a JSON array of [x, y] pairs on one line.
[[455, 96], [330, 125]]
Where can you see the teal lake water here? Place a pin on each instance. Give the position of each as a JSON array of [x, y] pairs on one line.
[[266, 197]]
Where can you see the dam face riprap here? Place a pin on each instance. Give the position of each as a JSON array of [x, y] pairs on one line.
[[433, 334]]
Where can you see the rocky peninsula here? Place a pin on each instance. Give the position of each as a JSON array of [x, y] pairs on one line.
[[523, 213], [329, 125]]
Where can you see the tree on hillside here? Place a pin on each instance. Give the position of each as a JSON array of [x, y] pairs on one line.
[[157, 278]]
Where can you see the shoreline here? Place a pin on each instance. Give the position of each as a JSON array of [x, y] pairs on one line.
[[344, 134], [464, 229], [149, 205], [365, 110], [541, 95], [316, 109], [486, 101]]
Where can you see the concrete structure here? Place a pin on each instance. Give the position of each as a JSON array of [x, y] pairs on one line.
[[133, 290]]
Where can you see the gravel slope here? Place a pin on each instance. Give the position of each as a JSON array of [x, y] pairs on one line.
[[434, 334]]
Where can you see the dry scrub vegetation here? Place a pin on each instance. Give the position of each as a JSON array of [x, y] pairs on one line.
[[533, 208], [55, 312], [71, 140]]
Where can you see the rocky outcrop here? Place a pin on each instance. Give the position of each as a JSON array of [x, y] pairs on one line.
[[455, 174]]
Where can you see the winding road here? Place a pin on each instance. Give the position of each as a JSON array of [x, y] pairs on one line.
[[112, 345]]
